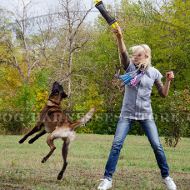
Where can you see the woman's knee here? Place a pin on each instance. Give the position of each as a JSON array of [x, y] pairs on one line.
[[157, 147], [117, 144]]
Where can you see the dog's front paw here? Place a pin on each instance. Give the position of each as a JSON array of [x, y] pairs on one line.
[[30, 141], [22, 140]]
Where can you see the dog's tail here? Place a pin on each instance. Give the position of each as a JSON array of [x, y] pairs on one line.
[[84, 119]]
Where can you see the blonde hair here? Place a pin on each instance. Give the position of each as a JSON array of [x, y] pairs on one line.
[[143, 48]]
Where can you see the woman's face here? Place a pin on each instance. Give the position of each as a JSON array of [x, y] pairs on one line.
[[138, 57]]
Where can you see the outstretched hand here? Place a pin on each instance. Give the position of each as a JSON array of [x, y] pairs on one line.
[[117, 31]]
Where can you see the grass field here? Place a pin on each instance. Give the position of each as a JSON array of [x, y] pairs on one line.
[[21, 167]]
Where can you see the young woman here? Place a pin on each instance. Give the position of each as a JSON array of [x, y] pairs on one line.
[[137, 106]]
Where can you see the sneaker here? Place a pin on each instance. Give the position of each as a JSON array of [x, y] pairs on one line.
[[105, 184], [170, 183]]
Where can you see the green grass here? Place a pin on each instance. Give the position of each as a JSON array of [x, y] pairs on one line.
[[21, 167]]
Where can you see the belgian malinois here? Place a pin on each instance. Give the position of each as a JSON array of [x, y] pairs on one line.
[[54, 121]]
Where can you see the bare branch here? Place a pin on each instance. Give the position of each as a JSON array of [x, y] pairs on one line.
[[80, 46], [81, 22]]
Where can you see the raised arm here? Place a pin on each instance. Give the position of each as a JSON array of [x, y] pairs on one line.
[[124, 58], [163, 90]]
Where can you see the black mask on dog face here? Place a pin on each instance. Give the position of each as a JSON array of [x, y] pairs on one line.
[[58, 89]]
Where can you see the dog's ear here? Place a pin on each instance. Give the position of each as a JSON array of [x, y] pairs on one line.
[[55, 83]]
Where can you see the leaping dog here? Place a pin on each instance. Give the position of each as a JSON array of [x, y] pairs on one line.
[[55, 122]]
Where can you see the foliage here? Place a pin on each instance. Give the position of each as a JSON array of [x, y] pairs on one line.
[[24, 104], [165, 29]]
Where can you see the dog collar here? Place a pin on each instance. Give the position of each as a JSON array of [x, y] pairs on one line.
[[53, 102]]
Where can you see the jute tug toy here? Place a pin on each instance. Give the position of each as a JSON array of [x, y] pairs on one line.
[[130, 78]]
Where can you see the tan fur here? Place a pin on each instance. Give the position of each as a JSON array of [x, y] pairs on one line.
[[55, 122]]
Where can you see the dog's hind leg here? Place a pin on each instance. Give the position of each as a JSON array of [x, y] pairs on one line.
[[37, 128], [50, 140], [37, 136], [64, 154]]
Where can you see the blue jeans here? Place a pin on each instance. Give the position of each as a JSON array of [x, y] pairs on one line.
[[150, 129]]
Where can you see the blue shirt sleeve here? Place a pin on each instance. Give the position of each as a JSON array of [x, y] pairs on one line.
[[158, 75]]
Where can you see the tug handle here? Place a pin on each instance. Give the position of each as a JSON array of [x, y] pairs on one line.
[[110, 20]]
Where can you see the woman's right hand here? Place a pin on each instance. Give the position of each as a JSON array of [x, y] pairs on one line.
[[117, 31]]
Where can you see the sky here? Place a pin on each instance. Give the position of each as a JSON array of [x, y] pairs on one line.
[[41, 7]]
